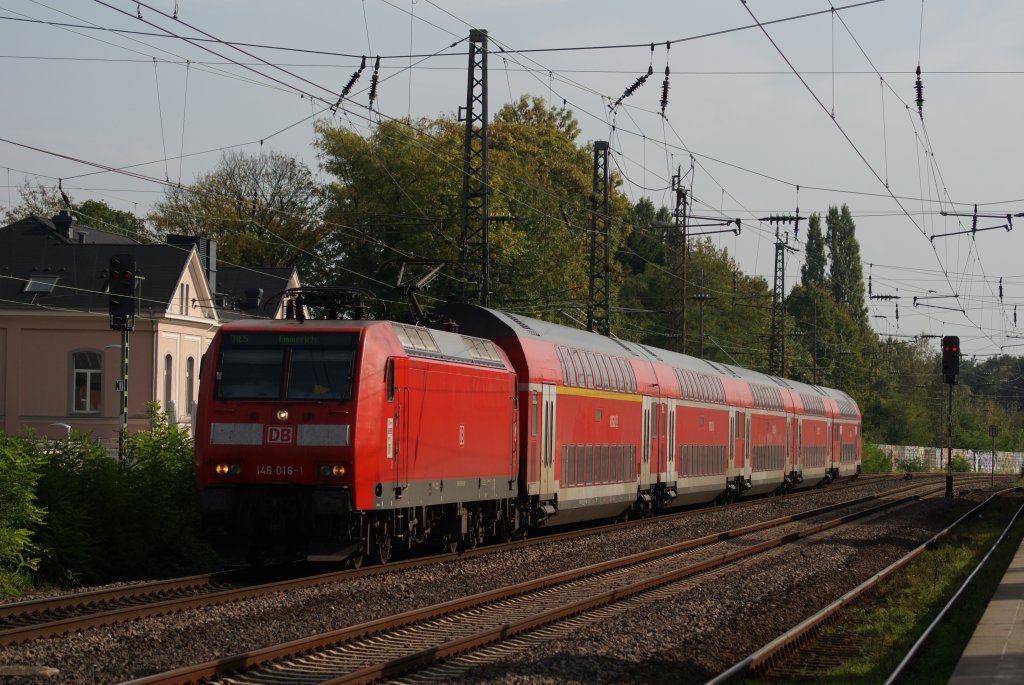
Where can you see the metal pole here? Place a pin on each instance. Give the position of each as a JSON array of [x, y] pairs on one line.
[[949, 442], [122, 434], [992, 469]]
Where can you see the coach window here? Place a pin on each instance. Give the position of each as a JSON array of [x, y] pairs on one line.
[[596, 377], [617, 373], [571, 368], [87, 381], [561, 363], [577, 364], [588, 370], [608, 373]]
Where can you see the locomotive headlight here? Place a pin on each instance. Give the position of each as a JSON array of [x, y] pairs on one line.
[[337, 471], [221, 469], [227, 469], [331, 471], [282, 414]]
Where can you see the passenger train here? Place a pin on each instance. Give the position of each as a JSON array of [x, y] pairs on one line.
[[354, 438]]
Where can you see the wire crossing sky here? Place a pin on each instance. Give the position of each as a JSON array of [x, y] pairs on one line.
[[771, 105]]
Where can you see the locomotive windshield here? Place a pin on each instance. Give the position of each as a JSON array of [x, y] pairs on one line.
[[291, 366]]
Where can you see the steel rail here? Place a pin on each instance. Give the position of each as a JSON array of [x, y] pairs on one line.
[[795, 635], [30, 619], [255, 658]]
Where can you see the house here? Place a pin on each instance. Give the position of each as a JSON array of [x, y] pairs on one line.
[[60, 361]]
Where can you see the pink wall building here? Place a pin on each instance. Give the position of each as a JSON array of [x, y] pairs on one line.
[[59, 359]]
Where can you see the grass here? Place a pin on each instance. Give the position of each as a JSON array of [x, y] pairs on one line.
[[884, 625]]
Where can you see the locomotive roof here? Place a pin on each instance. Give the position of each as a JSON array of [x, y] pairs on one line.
[[490, 323], [417, 341]]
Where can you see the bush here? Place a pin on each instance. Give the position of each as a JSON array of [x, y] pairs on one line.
[[915, 464], [874, 460], [126, 520], [19, 514], [961, 465]]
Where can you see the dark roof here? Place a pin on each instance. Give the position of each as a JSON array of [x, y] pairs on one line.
[[63, 228], [34, 247], [238, 291]]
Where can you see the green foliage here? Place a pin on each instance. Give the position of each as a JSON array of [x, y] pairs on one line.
[[263, 210], [19, 512], [915, 464], [110, 520], [961, 465], [846, 276], [99, 215], [874, 460], [812, 273]]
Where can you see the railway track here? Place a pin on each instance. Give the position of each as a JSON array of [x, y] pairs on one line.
[[33, 619], [796, 655], [415, 639]]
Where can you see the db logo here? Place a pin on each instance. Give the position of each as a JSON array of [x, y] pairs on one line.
[[280, 435]]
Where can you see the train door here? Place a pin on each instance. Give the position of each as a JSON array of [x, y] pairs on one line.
[[672, 442], [790, 458], [408, 390], [837, 444], [659, 444], [547, 442], [739, 440], [799, 444], [646, 440]]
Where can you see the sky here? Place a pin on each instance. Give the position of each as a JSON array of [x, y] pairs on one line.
[[772, 105]]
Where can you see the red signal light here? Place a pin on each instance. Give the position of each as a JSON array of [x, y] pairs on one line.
[[128, 275], [114, 275]]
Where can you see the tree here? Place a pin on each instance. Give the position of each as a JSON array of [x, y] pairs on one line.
[[398, 191], [263, 210], [36, 199], [101, 216], [846, 276], [813, 270]]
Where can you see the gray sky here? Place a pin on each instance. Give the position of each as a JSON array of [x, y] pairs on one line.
[[756, 130]]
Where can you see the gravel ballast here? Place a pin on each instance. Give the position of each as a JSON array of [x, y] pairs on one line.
[[675, 640]]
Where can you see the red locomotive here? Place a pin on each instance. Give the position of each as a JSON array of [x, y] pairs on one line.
[[348, 438]]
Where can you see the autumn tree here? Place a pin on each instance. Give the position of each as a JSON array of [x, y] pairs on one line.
[[395, 197], [263, 210]]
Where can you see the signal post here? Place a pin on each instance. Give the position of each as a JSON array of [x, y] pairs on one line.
[[122, 305], [950, 372]]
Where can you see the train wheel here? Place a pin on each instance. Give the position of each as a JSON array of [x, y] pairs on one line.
[[382, 545]]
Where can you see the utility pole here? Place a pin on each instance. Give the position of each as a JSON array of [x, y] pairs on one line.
[[950, 371], [679, 258], [992, 467], [700, 298], [777, 345], [474, 247], [598, 304]]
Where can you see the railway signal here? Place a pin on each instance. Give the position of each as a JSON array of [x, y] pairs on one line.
[[950, 359], [122, 292]]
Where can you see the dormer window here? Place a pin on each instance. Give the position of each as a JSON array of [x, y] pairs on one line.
[[40, 284]]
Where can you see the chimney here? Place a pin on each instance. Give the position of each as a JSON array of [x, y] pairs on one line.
[[63, 220]]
